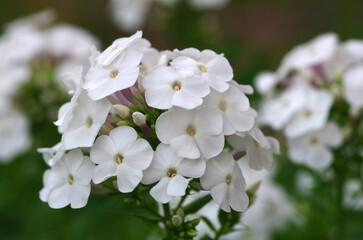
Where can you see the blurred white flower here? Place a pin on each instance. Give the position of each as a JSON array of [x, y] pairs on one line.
[[235, 109], [166, 87], [14, 135], [312, 115], [214, 68], [313, 148], [223, 177], [68, 181], [278, 111], [192, 134], [317, 51], [170, 171], [353, 194], [208, 4], [87, 118], [266, 81], [121, 154], [353, 85]]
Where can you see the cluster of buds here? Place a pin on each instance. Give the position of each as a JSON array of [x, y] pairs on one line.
[[164, 121]]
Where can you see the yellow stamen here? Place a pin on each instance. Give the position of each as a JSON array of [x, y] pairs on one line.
[[118, 158], [70, 179], [89, 122], [257, 145], [202, 68], [171, 172], [307, 113], [191, 130], [223, 105], [229, 179], [114, 74], [314, 141]]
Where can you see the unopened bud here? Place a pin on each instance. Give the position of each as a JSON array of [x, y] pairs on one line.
[[176, 220], [121, 110], [180, 212], [139, 118], [192, 233]]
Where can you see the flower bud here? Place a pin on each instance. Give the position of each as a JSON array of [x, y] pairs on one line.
[[176, 220], [192, 233], [121, 110], [139, 118]]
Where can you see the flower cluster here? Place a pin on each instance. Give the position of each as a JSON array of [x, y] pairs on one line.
[[315, 96], [39, 47], [157, 119], [130, 15]]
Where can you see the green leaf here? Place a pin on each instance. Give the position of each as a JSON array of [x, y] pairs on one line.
[[193, 207]]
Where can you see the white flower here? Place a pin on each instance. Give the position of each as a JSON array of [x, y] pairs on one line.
[[14, 136], [353, 85], [235, 109], [103, 80], [313, 148], [277, 112], [87, 118], [312, 115], [192, 133], [121, 154], [68, 182], [208, 4], [121, 46], [223, 177], [170, 171], [266, 81], [259, 149], [73, 79], [214, 68], [315, 52], [53, 154], [166, 87]]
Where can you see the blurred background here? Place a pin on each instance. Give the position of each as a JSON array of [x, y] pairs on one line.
[[254, 35]]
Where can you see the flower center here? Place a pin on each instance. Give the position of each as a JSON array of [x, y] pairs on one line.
[[70, 179], [229, 179], [176, 85], [114, 73], [314, 141], [202, 68], [223, 105], [191, 130], [118, 158], [285, 104], [307, 113], [257, 145], [89, 122], [171, 172]]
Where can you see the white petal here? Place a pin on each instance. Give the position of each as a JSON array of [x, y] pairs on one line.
[[220, 195], [210, 146], [319, 158], [177, 186], [193, 168], [185, 100], [59, 197], [104, 171], [79, 195], [103, 150], [139, 156], [127, 178], [238, 200], [331, 135], [84, 174], [74, 160], [124, 138], [170, 125], [159, 191], [208, 120], [185, 146]]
